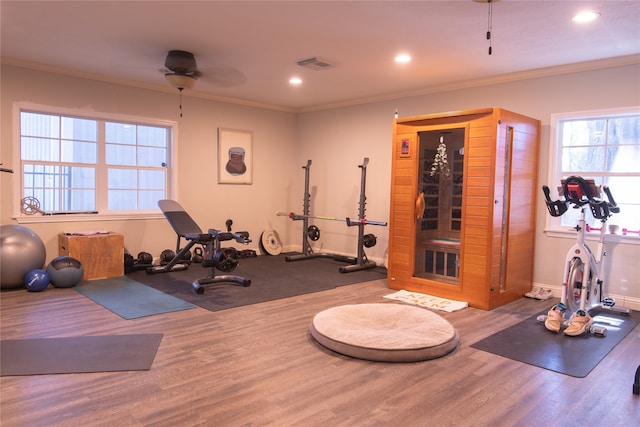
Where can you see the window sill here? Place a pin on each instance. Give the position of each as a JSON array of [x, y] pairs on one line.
[[41, 219], [629, 239]]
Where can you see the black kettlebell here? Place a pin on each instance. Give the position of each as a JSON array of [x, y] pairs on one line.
[[197, 255]]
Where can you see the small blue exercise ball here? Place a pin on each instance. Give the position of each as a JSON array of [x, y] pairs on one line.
[[65, 272], [21, 250], [36, 280]]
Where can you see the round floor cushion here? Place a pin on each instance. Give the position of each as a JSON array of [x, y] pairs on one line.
[[384, 332]]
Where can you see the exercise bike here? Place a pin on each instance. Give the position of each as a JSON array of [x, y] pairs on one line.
[[582, 280]]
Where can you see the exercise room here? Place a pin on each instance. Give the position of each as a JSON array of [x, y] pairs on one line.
[[311, 213]]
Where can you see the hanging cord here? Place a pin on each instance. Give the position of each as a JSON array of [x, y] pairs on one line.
[[180, 89], [490, 24]]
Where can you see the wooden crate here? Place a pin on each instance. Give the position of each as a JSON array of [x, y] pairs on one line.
[[101, 255]]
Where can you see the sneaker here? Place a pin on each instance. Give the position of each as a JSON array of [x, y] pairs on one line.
[[543, 294], [554, 319], [578, 323], [533, 292]]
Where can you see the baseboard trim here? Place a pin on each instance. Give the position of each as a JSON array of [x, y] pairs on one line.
[[621, 300]]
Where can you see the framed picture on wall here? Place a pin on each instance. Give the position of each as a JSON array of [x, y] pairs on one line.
[[235, 156]]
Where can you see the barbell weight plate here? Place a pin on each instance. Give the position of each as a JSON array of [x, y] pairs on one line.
[[271, 242], [226, 259], [369, 240], [313, 232]]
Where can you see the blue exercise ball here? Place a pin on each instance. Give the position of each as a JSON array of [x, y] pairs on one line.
[[36, 280], [65, 272], [22, 250]]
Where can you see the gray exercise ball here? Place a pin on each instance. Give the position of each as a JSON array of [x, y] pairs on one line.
[[22, 250]]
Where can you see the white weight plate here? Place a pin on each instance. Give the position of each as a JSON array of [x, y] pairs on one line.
[[271, 242]]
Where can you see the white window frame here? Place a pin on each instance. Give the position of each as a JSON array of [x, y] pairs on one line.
[[552, 224], [172, 165]]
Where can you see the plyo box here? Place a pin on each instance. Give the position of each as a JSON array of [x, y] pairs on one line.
[[101, 255]]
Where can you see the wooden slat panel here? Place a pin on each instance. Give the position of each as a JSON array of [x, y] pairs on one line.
[[401, 221]]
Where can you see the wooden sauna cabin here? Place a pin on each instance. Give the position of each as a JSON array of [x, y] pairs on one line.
[[463, 204]]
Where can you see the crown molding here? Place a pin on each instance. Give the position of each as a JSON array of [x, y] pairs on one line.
[[438, 88], [487, 81]]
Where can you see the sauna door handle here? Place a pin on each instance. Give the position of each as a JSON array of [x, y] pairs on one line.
[[420, 205]]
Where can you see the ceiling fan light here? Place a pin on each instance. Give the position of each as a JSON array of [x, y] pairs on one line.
[[180, 81]]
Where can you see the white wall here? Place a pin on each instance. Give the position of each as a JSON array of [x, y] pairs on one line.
[[251, 207], [335, 140]]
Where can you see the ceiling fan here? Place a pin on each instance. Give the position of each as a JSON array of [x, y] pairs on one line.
[[181, 69]]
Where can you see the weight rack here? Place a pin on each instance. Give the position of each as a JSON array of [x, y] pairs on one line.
[[360, 262]]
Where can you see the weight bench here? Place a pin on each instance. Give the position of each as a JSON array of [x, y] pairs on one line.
[[224, 259]]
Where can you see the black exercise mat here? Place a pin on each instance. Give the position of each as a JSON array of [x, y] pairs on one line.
[[271, 278], [130, 299], [530, 342], [109, 353]]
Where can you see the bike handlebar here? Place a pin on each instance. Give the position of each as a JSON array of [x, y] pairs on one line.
[[577, 191], [555, 207], [613, 206]]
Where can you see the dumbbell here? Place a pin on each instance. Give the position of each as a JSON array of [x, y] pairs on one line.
[[129, 262], [166, 256], [186, 256], [145, 258]]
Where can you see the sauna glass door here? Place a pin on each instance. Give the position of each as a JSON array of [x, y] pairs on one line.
[[440, 178]]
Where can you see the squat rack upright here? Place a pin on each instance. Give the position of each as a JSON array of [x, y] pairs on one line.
[[356, 263]]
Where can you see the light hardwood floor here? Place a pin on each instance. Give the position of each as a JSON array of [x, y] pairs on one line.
[[257, 366]]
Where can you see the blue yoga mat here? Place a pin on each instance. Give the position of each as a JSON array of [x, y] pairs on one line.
[[130, 299]]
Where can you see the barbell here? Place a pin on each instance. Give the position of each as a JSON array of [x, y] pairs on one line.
[[350, 222]]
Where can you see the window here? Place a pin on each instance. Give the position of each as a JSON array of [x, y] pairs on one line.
[[75, 164], [604, 146]]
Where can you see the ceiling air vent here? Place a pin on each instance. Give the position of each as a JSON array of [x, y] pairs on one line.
[[315, 64]]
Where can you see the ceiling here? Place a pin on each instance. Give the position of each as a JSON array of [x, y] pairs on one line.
[[248, 50]]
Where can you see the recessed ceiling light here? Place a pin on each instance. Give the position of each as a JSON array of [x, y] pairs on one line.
[[403, 58], [585, 16], [295, 81]]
